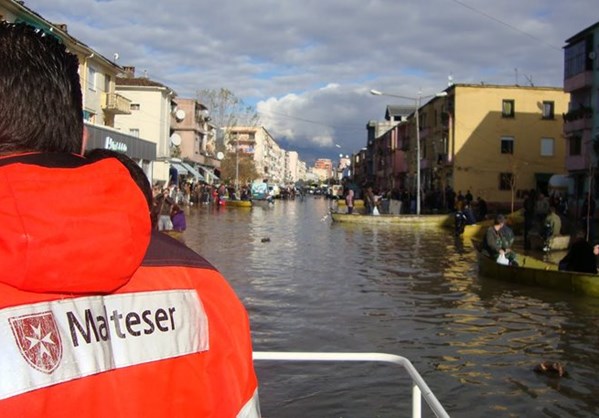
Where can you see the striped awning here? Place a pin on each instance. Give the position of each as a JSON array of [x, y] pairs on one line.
[[209, 172], [180, 169], [193, 171]]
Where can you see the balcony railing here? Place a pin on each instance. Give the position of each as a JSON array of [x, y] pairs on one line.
[[578, 119], [116, 104], [579, 81]]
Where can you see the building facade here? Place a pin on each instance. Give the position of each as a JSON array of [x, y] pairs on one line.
[[101, 103], [268, 156], [581, 119], [495, 141], [152, 105], [191, 129]]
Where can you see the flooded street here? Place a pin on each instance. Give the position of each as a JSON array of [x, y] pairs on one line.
[[310, 285]]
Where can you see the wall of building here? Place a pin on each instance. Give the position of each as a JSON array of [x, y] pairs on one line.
[[479, 128]]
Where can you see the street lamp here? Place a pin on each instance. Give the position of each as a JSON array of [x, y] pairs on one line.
[[417, 116]]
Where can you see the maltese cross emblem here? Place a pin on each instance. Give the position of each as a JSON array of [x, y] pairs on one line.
[[38, 340]]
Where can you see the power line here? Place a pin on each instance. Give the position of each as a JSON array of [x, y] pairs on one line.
[[314, 122], [480, 12]]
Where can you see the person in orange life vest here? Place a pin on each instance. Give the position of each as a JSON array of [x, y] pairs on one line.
[[99, 315]]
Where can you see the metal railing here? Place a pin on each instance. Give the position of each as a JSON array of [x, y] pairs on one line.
[[117, 104], [419, 387]]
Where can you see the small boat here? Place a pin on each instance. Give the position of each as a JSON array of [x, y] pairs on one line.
[[358, 203], [535, 272], [476, 230], [515, 221], [557, 243], [437, 220], [238, 203]]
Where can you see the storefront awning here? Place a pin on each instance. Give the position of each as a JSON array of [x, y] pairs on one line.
[[180, 169], [209, 172], [193, 171]]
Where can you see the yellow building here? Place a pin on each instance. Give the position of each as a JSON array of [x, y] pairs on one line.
[[496, 141]]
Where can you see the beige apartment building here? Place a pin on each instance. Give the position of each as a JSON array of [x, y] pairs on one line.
[[256, 141], [496, 141], [152, 105], [101, 103]]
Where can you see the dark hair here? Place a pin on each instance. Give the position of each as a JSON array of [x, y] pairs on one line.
[[499, 219], [40, 93], [136, 172]]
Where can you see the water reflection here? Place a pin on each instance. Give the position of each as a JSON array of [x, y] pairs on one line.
[[412, 291]]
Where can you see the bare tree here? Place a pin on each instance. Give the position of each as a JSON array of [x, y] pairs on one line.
[[226, 110], [238, 168], [511, 178]]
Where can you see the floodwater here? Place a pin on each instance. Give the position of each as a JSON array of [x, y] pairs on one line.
[[313, 285]]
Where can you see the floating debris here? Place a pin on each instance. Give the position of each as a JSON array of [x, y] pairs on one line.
[[552, 369], [265, 240]]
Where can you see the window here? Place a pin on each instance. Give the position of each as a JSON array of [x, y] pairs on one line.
[[134, 132], [89, 116], [505, 181], [134, 106], [507, 109], [576, 57], [91, 78], [548, 110], [575, 145], [547, 147], [107, 80], [507, 145]]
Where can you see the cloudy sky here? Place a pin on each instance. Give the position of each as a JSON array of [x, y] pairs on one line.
[[307, 66]]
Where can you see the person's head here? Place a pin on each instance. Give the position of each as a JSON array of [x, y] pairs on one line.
[[499, 221], [596, 249], [40, 93]]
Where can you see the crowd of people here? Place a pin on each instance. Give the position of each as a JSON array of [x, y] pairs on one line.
[[403, 201], [545, 216]]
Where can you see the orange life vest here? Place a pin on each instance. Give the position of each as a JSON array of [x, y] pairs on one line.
[[100, 319]]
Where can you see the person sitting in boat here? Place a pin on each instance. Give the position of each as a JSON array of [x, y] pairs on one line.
[[498, 241], [581, 257], [245, 195]]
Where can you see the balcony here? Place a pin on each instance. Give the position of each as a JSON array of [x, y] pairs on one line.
[[579, 81], [116, 104], [578, 119]]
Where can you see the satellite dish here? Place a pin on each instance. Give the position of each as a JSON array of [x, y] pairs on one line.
[[220, 155], [180, 115], [176, 139]]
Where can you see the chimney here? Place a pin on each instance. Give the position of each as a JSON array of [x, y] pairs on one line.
[[62, 27], [129, 71]]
